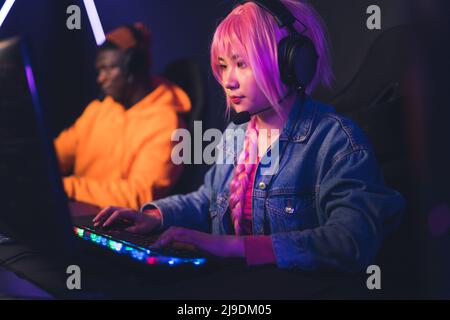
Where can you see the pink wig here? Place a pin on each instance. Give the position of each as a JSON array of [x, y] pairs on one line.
[[255, 32], [241, 176]]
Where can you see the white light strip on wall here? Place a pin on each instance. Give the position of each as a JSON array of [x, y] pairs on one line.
[[5, 10], [94, 20]]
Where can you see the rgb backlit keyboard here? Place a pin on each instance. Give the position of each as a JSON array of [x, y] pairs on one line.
[[137, 249]]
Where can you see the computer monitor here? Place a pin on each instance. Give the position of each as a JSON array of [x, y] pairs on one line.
[[34, 208], [33, 204]]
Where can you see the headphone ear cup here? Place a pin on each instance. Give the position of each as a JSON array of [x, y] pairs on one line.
[[297, 60], [125, 64], [284, 62], [134, 60]]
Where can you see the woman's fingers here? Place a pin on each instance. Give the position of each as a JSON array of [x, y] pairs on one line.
[[103, 215], [161, 241], [139, 226], [183, 246], [177, 234], [166, 238], [135, 229], [120, 214]]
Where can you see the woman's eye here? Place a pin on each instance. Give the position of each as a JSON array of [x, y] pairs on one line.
[[222, 66], [241, 64]]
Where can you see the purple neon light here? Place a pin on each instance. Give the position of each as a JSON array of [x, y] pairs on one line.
[[30, 79]]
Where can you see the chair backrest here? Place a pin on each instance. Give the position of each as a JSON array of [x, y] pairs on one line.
[[374, 96], [375, 99], [187, 74]]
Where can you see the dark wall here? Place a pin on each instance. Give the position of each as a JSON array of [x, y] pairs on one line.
[[64, 59], [350, 38], [179, 29], [54, 54], [432, 114]]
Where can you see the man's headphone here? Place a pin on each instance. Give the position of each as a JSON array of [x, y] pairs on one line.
[[297, 56], [135, 59]]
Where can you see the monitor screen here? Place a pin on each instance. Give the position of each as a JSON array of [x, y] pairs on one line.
[[34, 205]]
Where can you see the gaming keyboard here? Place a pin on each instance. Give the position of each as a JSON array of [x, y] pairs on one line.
[[137, 247]]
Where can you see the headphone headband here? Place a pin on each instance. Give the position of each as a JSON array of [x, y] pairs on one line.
[[137, 35], [135, 56], [297, 57], [283, 17]]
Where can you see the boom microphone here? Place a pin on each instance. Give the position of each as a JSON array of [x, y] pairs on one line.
[[244, 116]]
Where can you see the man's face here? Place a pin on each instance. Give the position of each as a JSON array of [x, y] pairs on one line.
[[110, 75]]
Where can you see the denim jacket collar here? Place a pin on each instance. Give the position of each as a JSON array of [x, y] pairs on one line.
[[302, 117], [303, 121]]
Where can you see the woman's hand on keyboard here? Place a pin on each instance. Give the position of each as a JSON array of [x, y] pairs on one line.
[[217, 245], [136, 222]]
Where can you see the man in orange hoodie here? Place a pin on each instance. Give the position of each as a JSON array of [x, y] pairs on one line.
[[118, 152]]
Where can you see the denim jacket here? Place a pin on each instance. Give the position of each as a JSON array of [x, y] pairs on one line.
[[326, 207]]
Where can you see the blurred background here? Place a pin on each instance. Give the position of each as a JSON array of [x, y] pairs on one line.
[[393, 82]]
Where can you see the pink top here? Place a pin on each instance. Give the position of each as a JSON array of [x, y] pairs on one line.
[[246, 222], [258, 249]]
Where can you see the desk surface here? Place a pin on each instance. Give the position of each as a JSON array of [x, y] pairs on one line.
[[102, 278], [230, 281]]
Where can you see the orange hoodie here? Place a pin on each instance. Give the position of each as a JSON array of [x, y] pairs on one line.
[[122, 157]]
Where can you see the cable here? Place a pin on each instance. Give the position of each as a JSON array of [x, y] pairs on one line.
[[16, 257]]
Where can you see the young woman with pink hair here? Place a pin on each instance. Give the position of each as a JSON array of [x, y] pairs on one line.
[[326, 206]]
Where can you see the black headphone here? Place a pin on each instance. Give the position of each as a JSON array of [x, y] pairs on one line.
[[136, 58], [297, 56]]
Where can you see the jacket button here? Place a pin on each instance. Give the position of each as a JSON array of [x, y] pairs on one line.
[[289, 210], [262, 186]]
